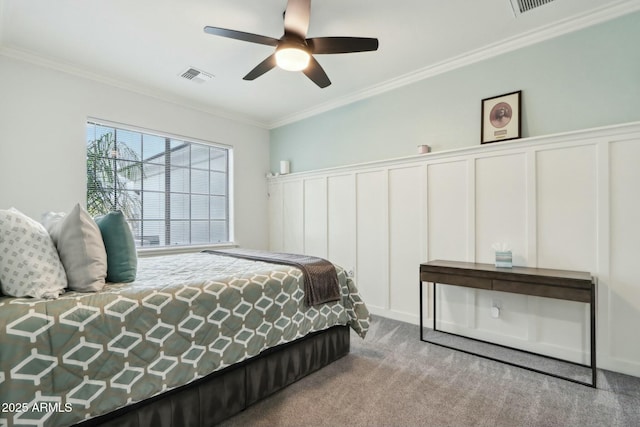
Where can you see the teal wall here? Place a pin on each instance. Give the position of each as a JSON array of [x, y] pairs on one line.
[[585, 79]]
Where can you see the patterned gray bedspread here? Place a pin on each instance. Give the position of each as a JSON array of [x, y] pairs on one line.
[[320, 277], [185, 316]]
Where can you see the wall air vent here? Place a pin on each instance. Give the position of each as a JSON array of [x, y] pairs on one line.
[[196, 75], [522, 6]]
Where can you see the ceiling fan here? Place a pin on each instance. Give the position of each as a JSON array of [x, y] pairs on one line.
[[294, 52]]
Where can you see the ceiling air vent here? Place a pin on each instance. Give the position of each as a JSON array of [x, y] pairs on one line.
[[196, 75], [522, 6]]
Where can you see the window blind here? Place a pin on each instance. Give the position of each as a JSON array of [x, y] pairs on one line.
[[172, 191]]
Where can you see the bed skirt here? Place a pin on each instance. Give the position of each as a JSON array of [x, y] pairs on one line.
[[222, 394]]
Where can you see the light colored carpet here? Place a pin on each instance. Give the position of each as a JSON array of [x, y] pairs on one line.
[[393, 379]]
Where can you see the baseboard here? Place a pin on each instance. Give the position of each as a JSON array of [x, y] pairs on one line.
[[394, 315]]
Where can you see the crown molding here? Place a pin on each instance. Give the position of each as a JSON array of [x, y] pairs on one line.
[[556, 29], [25, 56], [548, 32]]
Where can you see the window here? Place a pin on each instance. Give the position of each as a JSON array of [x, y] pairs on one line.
[[172, 191]]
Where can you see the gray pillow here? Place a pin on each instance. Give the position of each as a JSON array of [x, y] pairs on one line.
[[29, 262], [80, 246]]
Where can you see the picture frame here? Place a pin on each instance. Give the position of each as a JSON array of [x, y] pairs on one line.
[[501, 118]]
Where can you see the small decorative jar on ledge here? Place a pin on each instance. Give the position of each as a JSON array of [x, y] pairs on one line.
[[285, 167], [424, 149]]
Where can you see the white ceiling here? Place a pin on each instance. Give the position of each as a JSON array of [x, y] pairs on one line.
[[144, 45]]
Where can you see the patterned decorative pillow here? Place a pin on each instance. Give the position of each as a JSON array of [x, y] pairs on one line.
[[29, 262], [79, 243]]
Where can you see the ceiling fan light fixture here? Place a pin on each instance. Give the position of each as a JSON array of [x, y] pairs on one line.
[[294, 51], [292, 58]]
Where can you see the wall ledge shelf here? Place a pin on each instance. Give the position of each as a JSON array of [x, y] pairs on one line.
[[533, 142]]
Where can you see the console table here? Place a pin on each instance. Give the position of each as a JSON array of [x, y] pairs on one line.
[[559, 284]]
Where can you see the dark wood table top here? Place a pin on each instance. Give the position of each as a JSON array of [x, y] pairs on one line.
[[579, 279]]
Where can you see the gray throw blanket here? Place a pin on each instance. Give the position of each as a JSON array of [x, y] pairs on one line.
[[320, 276]]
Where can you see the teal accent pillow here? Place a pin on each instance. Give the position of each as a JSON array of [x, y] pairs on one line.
[[122, 259]]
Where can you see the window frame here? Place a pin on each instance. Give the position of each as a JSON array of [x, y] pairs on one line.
[[178, 248]]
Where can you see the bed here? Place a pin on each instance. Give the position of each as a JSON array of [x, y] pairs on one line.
[[193, 340]]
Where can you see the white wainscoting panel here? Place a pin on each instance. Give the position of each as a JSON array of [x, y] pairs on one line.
[[293, 217], [448, 204], [567, 207], [372, 244], [406, 233], [563, 329], [567, 201], [624, 279], [501, 206], [341, 199], [514, 319], [315, 217], [501, 195], [276, 233]]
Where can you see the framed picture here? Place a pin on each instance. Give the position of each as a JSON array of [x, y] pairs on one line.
[[501, 118]]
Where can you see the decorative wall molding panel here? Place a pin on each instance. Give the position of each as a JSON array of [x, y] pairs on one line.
[[568, 201]]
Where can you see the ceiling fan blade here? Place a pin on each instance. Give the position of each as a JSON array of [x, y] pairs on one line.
[[296, 17], [240, 35], [315, 72], [261, 68], [322, 45]]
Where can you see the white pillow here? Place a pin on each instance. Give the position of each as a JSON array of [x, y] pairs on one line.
[[29, 262], [80, 246]]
